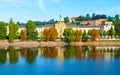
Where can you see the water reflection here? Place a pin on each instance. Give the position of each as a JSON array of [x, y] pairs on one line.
[[3, 56], [29, 54], [49, 52], [60, 53], [13, 55]]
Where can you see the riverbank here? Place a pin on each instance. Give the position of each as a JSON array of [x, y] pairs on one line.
[[29, 44]]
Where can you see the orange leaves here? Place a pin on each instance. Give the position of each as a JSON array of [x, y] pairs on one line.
[[23, 35], [94, 34]]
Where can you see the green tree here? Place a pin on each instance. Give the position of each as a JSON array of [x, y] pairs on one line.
[[66, 19], [105, 33], [35, 35], [77, 35], [85, 36], [116, 22], [68, 35], [32, 34], [93, 16], [52, 21], [3, 30], [88, 17], [80, 18], [117, 17], [13, 28], [89, 32], [100, 33], [110, 18], [111, 32]]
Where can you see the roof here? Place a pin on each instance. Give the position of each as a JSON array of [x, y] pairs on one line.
[[89, 26]]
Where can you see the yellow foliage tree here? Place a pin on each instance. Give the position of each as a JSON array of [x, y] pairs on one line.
[[77, 35], [23, 35], [94, 34], [46, 35], [53, 34], [50, 34]]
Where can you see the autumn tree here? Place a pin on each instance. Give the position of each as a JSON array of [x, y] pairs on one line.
[[3, 30], [68, 35], [32, 33], [23, 35], [41, 36], [13, 28], [50, 34], [77, 35], [53, 33], [94, 34], [46, 34]]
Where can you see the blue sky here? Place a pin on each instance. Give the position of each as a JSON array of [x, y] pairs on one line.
[[40, 10]]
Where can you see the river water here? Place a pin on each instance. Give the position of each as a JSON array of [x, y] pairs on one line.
[[68, 60]]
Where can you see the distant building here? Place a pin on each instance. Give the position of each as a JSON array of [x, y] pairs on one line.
[[73, 19], [107, 26], [93, 22]]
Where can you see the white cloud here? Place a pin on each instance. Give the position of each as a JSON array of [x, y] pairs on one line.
[[41, 5], [56, 1]]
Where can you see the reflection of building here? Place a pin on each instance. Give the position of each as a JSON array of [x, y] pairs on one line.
[[60, 54]]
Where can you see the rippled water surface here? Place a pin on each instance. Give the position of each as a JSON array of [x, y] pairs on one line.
[[68, 60]]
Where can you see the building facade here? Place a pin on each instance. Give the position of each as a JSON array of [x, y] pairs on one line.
[[60, 26]]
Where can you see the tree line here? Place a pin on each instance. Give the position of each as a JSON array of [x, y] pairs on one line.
[[30, 33], [77, 20], [50, 34]]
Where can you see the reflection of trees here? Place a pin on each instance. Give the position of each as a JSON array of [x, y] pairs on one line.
[[85, 49], [3, 56], [94, 53], [23, 52], [31, 55], [78, 52], [49, 52], [117, 53], [69, 52], [13, 55]]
